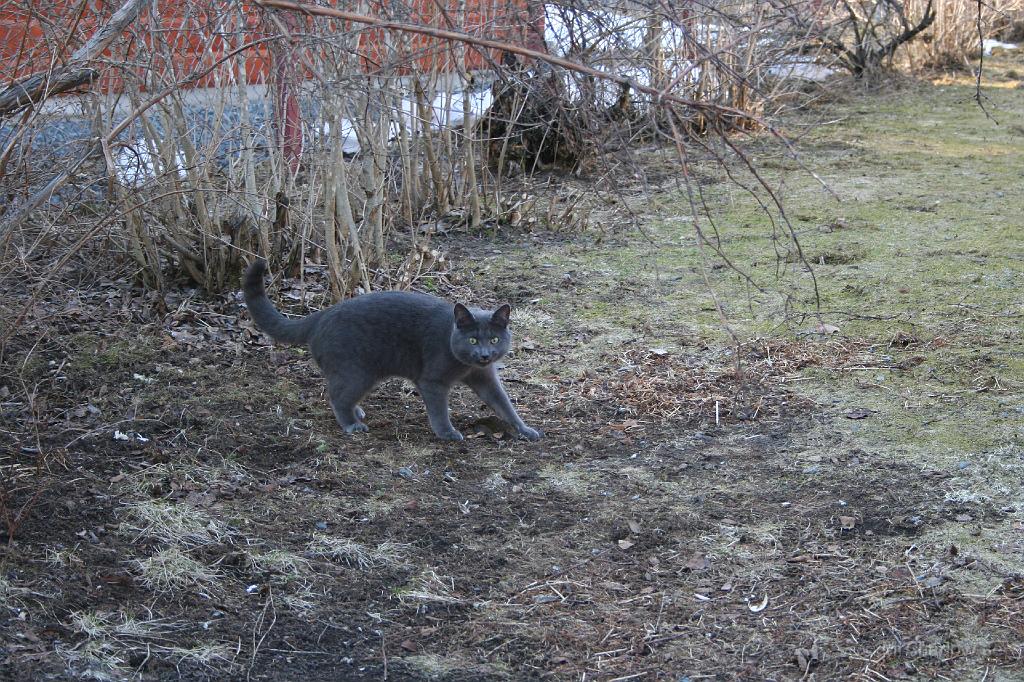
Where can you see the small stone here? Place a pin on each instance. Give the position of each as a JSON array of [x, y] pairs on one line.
[[320, 525]]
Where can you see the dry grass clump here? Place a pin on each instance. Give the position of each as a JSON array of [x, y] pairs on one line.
[[172, 569], [278, 561], [303, 598], [9, 592], [180, 477], [430, 588], [355, 554], [174, 524], [109, 641]]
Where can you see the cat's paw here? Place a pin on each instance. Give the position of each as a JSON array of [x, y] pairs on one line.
[[358, 427], [530, 434], [360, 413], [452, 435]]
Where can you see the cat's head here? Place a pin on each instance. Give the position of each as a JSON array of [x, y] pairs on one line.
[[480, 337]]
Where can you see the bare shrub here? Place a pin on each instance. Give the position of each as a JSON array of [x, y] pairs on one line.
[[311, 139], [956, 34], [864, 36]]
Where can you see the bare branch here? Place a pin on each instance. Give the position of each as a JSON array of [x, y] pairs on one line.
[[37, 87]]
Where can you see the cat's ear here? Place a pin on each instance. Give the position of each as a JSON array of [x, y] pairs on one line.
[[500, 316], [463, 318]]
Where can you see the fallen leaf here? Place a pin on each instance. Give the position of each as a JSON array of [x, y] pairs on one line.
[[807, 657], [697, 562], [633, 526], [625, 544], [624, 425], [757, 608], [847, 522], [408, 645], [119, 579]]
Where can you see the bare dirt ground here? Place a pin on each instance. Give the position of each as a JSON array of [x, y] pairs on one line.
[[854, 512]]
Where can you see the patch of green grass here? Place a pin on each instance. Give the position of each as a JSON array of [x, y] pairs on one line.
[[916, 247], [90, 357]]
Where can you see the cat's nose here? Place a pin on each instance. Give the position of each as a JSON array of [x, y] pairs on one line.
[[485, 357]]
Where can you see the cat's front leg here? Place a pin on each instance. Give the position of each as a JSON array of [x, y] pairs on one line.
[[487, 384], [435, 397]]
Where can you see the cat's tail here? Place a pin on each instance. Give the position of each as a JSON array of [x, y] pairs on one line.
[[265, 315]]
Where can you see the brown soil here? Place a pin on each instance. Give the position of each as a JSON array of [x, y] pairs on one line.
[[637, 539]]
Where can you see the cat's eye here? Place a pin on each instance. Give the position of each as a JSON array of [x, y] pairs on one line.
[[472, 341], [494, 340]]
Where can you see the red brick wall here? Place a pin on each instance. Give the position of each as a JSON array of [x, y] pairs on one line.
[[31, 42]]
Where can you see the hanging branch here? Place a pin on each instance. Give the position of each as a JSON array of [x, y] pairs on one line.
[[458, 36], [34, 89]]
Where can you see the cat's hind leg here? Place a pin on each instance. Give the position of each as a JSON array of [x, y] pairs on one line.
[[345, 395]]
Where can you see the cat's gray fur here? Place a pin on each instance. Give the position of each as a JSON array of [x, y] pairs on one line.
[[364, 340]]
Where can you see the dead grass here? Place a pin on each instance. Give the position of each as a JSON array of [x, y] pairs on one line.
[[277, 561], [172, 523], [653, 385], [429, 587], [171, 570], [11, 593], [111, 644], [355, 554]]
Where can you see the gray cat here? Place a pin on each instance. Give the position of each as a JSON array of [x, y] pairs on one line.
[[359, 342]]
